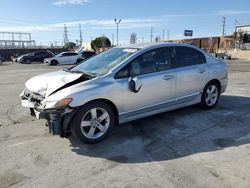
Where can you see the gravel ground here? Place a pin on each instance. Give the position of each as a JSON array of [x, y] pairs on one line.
[[188, 147]]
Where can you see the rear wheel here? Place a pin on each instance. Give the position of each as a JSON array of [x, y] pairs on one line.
[[210, 95], [78, 61], [93, 122]]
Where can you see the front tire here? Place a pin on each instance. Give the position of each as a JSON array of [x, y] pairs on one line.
[[210, 95], [54, 62], [93, 122]]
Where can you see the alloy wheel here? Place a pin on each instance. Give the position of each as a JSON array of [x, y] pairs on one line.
[[95, 123], [212, 95]]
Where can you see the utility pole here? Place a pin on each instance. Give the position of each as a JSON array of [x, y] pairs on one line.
[[151, 35], [223, 26], [65, 35], [163, 34], [168, 34], [142, 39], [113, 39], [117, 30], [80, 30]]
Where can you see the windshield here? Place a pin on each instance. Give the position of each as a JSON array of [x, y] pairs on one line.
[[102, 63]]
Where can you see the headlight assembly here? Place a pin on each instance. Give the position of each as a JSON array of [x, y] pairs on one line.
[[57, 104]]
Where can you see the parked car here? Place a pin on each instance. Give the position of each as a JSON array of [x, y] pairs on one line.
[[124, 84], [34, 56], [87, 54], [223, 56], [64, 58], [1, 59]]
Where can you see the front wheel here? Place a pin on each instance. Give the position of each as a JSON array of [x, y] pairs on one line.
[[93, 122], [54, 62], [210, 95]]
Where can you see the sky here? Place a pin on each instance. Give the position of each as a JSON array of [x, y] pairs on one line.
[[45, 18]]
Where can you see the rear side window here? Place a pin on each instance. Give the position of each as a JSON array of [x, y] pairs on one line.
[[69, 54], [186, 56]]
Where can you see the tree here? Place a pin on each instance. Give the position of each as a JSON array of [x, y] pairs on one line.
[[70, 46], [238, 38], [100, 42], [133, 38]]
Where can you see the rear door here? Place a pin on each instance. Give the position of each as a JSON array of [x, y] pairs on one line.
[[72, 58], [192, 72]]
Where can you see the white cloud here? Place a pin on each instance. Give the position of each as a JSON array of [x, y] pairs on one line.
[[233, 12], [108, 24], [92, 24], [70, 2]]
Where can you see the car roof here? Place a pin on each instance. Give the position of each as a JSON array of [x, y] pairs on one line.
[[159, 44], [67, 52]]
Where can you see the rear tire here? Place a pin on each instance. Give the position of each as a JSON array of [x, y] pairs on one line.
[[78, 61], [93, 122], [210, 95]]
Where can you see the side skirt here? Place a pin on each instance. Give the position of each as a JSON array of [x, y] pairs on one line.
[[159, 108]]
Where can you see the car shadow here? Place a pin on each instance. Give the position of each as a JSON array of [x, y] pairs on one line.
[[175, 134]]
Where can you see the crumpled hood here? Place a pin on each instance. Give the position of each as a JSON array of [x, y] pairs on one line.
[[45, 84]]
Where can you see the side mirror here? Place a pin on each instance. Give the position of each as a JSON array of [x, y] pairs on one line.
[[134, 84]]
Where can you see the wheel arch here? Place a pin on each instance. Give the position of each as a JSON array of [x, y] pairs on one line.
[[214, 81], [110, 103]]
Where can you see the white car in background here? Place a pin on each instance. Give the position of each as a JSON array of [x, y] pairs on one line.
[[64, 58]]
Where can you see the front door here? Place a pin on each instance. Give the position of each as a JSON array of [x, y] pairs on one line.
[[154, 70]]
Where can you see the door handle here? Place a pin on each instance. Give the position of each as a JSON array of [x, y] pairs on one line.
[[168, 77], [202, 71]]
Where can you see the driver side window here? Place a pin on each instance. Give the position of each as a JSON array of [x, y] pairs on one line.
[[152, 61]]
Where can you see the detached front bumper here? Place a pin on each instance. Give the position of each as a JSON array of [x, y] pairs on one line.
[[58, 120]]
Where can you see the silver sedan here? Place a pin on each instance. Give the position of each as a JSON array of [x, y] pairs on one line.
[[124, 84]]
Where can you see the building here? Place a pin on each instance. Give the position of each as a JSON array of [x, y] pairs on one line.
[[211, 44]]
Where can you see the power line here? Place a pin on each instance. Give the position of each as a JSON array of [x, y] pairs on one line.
[[151, 34], [65, 35], [223, 26], [80, 30], [163, 34]]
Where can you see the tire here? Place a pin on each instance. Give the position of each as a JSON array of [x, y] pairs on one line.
[[54, 62], [210, 95], [27, 61], [98, 118]]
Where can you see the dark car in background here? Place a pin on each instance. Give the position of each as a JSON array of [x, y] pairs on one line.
[[38, 56], [1, 58], [87, 54], [224, 56]]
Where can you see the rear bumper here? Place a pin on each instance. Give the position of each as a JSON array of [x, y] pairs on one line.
[[223, 83]]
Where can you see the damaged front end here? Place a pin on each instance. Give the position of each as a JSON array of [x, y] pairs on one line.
[[39, 97], [57, 113]]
